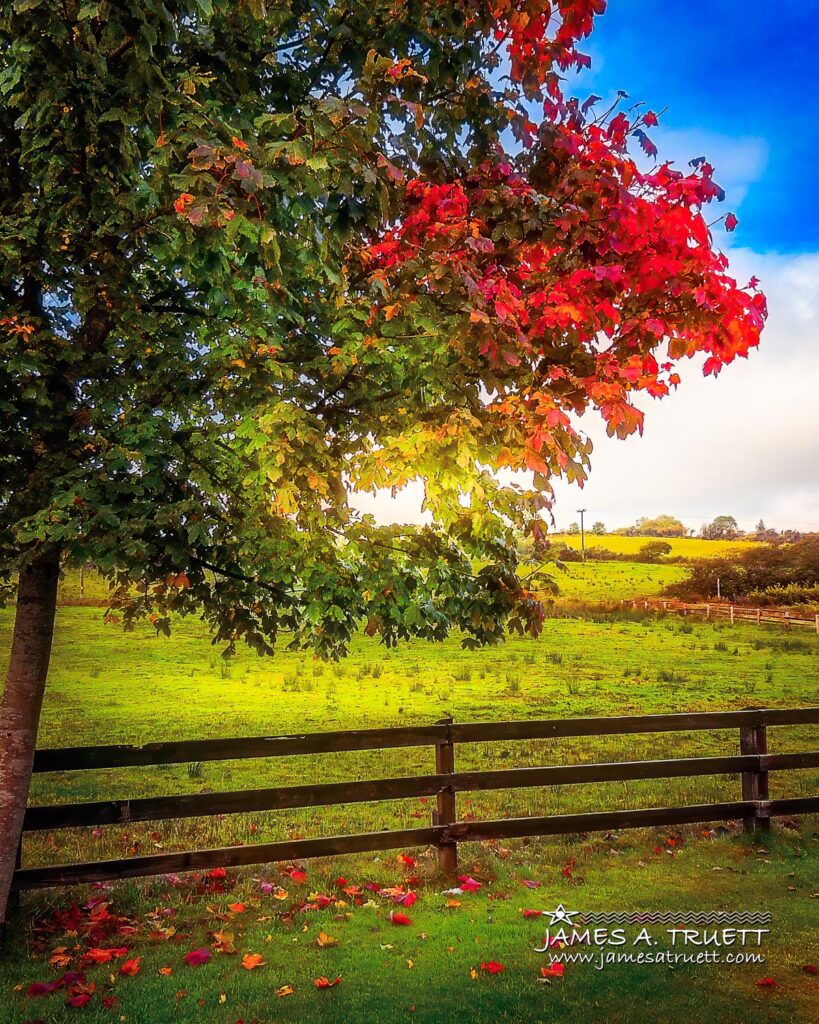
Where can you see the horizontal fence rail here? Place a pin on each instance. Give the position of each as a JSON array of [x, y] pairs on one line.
[[753, 764], [732, 612]]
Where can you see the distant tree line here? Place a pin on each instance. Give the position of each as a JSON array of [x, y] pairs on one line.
[[775, 574]]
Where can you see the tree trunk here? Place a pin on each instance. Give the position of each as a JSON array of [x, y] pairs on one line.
[[21, 703]]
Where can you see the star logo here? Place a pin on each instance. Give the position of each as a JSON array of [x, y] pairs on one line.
[[561, 915]]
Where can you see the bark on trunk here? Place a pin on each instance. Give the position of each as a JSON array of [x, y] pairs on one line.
[[21, 703]]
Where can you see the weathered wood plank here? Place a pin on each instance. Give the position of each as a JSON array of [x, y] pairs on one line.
[[119, 756], [481, 732], [112, 812], [303, 849], [230, 856], [125, 755]]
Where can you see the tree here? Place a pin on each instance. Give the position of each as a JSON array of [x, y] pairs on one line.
[[256, 257], [721, 528], [574, 528], [659, 526], [599, 529], [654, 550]]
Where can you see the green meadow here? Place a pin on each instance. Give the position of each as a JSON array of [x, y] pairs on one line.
[[107, 686]]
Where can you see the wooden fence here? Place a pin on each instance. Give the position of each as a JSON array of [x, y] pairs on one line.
[[731, 612], [753, 763]]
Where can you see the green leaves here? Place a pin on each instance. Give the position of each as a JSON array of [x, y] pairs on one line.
[[194, 371]]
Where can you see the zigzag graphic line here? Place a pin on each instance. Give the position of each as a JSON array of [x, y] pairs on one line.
[[677, 917]]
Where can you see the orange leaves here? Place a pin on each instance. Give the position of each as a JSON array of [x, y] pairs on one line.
[[323, 982], [325, 941], [130, 967], [97, 955], [554, 970], [183, 202], [179, 581], [285, 990], [250, 961]]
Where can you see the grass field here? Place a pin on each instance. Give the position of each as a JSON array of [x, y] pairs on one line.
[[681, 547], [107, 686]]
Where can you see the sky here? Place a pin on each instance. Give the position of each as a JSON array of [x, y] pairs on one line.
[[740, 85]]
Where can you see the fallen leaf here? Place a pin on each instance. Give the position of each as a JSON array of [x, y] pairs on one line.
[[469, 884], [324, 940], [323, 982], [252, 960], [166, 971], [285, 990], [197, 957], [554, 970], [130, 966], [766, 983], [396, 917], [492, 967]]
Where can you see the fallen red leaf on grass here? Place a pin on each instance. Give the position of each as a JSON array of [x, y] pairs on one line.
[[532, 913], [102, 956], [554, 970], [43, 988], [406, 860], [396, 917], [79, 1000], [492, 967], [810, 969], [197, 957], [237, 908], [766, 983], [469, 884], [130, 966], [326, 983]]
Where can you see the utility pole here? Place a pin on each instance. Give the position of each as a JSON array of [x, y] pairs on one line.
[[582, 535]]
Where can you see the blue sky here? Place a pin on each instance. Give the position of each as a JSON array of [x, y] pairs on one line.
[[740, 79], [743, 76]]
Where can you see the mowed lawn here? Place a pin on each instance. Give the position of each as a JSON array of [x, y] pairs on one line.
[[107, 686]]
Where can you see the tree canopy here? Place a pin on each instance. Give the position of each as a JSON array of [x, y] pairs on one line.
[[255, 256]]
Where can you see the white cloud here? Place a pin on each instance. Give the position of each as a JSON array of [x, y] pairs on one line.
[[745, 444]]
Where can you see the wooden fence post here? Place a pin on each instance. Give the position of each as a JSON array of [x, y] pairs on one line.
[[445, 813], [753, 739]]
